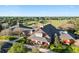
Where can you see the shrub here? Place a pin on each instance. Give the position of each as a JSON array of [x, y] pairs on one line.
[[75, 49], [22, 40], [17, 48], [12, 38], [77, 32], [59, 47]]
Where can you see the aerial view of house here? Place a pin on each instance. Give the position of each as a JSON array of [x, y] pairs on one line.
[[39, 29]]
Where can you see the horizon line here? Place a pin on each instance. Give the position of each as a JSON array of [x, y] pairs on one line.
[[39, 16]]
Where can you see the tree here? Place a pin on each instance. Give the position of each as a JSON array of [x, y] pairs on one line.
[[57, 46], [0, 27], [56, 41], [17, 48]]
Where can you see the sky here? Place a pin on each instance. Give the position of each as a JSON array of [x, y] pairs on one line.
[[39, 10]]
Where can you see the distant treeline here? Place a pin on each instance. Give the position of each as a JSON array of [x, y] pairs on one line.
[[37, 18]]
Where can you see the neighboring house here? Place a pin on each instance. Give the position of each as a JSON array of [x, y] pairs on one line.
[[65, 36], [68, 35], [16, 30], [20, 28]]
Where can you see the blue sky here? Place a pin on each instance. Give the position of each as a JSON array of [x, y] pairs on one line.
[[39, 10]]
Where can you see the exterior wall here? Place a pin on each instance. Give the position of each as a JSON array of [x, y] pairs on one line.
[[39, 42], [39, 34]]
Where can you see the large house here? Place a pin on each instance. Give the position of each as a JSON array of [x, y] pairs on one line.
[[44, 35]]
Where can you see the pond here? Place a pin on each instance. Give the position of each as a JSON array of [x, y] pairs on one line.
[[4, 46]]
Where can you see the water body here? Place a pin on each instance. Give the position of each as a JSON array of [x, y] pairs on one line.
[[5, 46]]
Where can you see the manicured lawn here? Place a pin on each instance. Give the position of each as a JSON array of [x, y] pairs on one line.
[[7, 38], [55, 23]]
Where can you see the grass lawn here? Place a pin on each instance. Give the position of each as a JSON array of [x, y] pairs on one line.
[[55, 23], [7, 38]]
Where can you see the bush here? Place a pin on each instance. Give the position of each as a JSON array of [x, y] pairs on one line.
[[12, 38], [22, 40], [59, 47], [17, 48], [77, 32], [75, 49]]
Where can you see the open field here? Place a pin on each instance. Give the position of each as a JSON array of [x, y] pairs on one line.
[[55, 23]]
